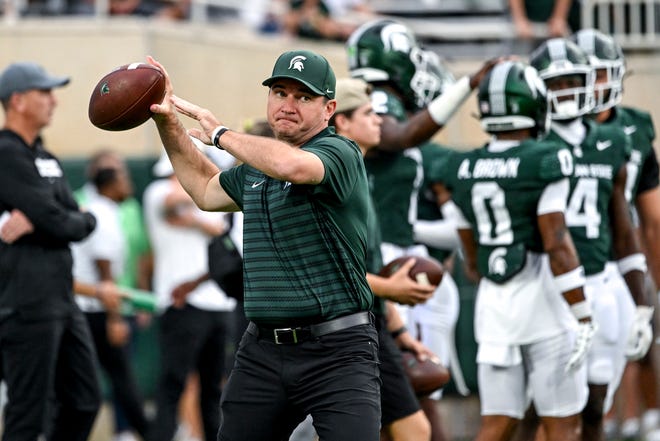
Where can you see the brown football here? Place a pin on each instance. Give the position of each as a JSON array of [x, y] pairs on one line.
[[426, 270], [425, 376], [121, 99]]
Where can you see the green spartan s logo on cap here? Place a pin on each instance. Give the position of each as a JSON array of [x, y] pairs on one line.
[[297, 63]]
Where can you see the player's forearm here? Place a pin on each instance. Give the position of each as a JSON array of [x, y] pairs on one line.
[[652, 244], [562, 254], [397, 136], [469, 253], [569, 274], [635, 282], [426, 123], [630, 259], [517, 10], [648, 208], [564, 262], [561, 9], [632, 265], [624, 239]]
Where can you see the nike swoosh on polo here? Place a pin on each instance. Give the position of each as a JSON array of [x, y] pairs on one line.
[[602, 145], [256, 184], [629, 130]]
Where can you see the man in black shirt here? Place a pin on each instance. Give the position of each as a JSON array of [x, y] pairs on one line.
[[46, 349]]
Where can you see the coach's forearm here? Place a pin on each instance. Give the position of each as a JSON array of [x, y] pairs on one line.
[[192, 168]]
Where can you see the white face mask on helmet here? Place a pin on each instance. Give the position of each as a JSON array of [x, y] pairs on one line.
[[606, 56], [571, 102], [559, 57]]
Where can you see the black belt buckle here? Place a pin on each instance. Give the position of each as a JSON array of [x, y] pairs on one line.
[[285, 336]]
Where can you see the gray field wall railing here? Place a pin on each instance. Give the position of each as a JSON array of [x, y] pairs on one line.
[[217, 65]]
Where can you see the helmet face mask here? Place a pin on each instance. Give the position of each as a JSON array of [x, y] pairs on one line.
[[606, 57], [386, 51], [569, 100], [559, 59], [608, 92], [430, 77], [513, 97]]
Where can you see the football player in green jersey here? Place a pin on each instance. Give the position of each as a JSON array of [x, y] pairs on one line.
[[402, 418], [415, 97], [597, 216], [532, 321], [435, 228], [311, 345], [642, 191]]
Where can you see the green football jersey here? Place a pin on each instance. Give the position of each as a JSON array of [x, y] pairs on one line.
[[427, 205], [598, 159], [498, 193], [304, 246], [639, 127], [395, 179]]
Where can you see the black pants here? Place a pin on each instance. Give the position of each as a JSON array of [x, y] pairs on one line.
[[52, 386], [238, 326], [116, 364], [335, 378], [191, 340]]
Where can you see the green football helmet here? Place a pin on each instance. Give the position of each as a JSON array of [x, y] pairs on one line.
[[603, 54], [512, 96], [386, 51], [557, 59]]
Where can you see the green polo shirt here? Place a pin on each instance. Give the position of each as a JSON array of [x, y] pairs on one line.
[[304, 246]]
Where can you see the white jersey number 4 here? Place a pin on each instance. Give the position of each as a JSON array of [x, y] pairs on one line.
[[582, 208]]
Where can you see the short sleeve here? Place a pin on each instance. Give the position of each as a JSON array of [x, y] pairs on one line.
[[649, 175], [343, 164], [555, 164], [232, 183]]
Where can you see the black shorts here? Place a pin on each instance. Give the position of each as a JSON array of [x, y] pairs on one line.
[[397, 397]]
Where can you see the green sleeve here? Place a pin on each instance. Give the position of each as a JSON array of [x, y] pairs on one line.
[[385, 103], [232, 182], [556, 162], [343, 163]]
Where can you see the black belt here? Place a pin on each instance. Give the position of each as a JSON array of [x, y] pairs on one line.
[[299, 334]]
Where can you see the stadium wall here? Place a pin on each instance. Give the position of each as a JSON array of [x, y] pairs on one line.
[[218, 65]]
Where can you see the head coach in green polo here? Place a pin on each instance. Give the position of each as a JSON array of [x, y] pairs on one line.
[[311, 346]]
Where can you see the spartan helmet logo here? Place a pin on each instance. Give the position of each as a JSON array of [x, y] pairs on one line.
[[496, 262], [297, 63]]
